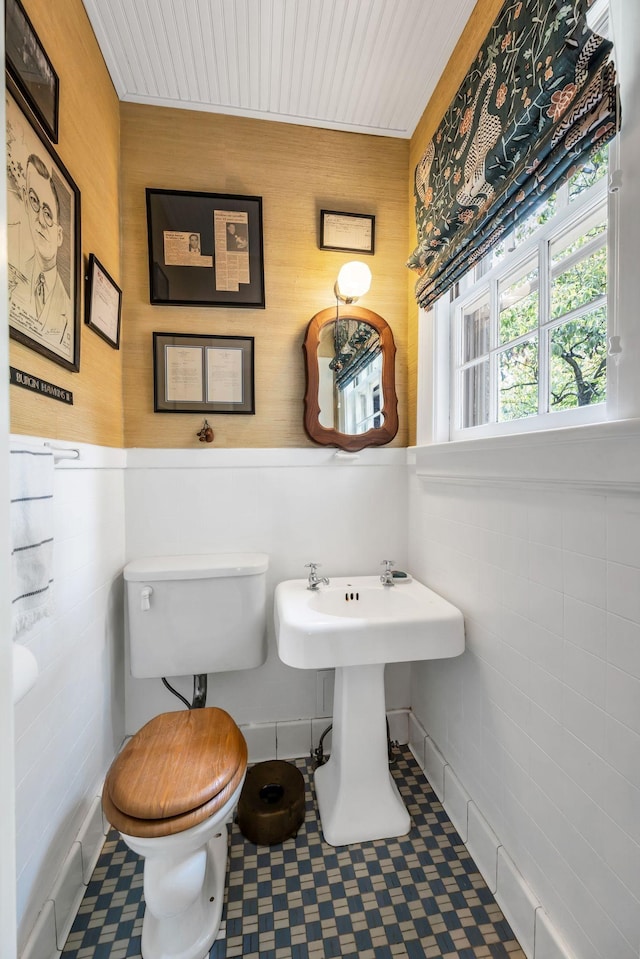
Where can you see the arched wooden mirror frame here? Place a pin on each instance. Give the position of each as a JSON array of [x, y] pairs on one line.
[[389, 409]]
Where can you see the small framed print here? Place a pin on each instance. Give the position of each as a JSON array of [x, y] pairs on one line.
[[203, 374], [103, 305], [30, 69], [348, 232], [205, 249]]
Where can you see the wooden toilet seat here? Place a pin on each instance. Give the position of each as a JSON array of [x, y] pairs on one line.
[[177, 771]]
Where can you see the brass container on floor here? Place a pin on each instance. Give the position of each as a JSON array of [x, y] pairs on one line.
[[271, 806]]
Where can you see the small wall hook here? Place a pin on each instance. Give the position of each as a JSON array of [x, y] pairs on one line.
[[205, 435]]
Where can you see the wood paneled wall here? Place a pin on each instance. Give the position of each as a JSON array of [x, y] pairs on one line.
[[297, 171], [89, 147], [473, 35]]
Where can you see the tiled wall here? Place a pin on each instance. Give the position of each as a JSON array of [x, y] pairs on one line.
[[295, 505], [70, 723], [540, 718]]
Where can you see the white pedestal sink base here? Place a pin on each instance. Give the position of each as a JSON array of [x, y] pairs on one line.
[[357, 798]]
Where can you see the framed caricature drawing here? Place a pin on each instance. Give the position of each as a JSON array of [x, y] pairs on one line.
[[43, 241]]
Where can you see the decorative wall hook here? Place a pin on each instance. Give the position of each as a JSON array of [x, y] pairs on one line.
[[205, 435]]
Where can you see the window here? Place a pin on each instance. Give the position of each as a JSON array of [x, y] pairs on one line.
[[360, 400], [529, 322]]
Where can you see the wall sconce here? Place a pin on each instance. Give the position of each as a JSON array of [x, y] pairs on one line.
[[354, 280]]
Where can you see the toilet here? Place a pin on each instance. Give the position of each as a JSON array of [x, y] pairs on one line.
[[174, 786]]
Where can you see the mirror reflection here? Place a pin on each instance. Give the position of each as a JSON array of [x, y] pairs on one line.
[[350, 369], [351, 399]]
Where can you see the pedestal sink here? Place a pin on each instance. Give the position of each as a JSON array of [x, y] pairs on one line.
[[357, 625]]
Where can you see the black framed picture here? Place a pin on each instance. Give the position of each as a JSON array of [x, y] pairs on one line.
[[103, 303], [43, 243], [195, 373], [30, 69], [205, 249], [348, 232]]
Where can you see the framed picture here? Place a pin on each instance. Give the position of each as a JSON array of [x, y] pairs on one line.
[[203, 374], [205, 249], [103, 304], [43, 244], [30, 69], [351, 232]]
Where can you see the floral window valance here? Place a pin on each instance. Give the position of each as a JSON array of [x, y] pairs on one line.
[[357, 345], [539, 98]]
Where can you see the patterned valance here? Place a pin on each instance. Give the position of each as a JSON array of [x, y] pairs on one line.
[[539, 98], [357, 344]]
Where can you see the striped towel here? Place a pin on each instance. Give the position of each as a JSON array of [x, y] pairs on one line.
[[31, 490]]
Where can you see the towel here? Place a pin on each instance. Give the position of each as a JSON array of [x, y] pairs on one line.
[[31, 491]]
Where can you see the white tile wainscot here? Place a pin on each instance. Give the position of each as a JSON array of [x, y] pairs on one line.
[[296, 505], [70, 724], [535, 538]]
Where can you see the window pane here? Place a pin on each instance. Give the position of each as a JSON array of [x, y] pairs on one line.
[[475, 395], [578, 374], [540, 215], [518, 305], [518, 381], [580, 284], [475, 331], [594, 169], [574, 240]]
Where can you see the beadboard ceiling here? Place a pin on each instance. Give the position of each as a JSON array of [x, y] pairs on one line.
[[367, 66]]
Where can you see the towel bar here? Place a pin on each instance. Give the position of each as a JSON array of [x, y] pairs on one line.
[[60, 453]]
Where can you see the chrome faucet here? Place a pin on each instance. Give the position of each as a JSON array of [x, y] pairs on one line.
[[314, 580], [386, 578]]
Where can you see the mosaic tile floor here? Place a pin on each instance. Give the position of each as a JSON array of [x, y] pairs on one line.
[[417, 897]]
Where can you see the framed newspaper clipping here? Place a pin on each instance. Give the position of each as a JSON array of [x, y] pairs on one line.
[[205, 249]]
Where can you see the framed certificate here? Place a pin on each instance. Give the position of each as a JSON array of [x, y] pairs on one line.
[[103, 305], [351, 232], [203, 374]]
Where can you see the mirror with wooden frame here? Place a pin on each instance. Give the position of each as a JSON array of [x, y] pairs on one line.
[[351, 399]]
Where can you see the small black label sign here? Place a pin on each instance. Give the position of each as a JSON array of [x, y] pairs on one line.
[[36, 385]]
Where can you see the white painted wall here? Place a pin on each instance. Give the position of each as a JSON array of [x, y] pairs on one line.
[[295, 505], [70, 723], [540, 718]]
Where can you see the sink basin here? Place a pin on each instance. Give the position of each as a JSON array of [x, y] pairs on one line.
[[356, 620], [357, 625]]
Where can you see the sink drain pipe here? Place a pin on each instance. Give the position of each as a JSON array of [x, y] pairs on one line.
[[319, 759]]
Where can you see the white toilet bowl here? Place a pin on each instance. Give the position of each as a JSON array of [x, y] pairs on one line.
[[184, 883], [170, 793]]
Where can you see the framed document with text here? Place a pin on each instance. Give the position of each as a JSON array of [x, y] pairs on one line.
[[203, 374], [103, 306], [350, 232]]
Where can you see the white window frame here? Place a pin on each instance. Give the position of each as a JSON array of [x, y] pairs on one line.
[[535, 246]]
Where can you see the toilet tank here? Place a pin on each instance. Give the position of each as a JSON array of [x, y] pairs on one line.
[[196, 614]]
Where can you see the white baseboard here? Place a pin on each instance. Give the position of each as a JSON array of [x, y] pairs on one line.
[[55, 920], [296, 738], [530, 923], [289, 740]]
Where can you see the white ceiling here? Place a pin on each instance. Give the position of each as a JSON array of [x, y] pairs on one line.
[[367, 66]]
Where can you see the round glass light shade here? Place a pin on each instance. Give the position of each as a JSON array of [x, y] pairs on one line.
[[354, 280]]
